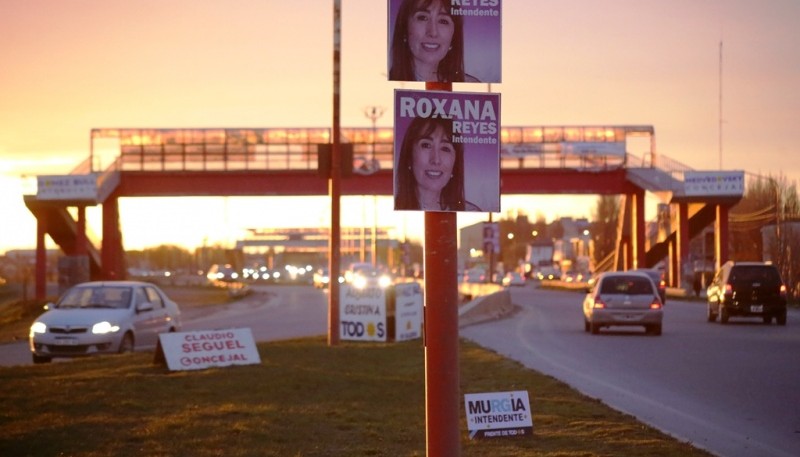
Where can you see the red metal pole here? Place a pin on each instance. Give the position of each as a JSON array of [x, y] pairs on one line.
[[441, 330], [334, 189]]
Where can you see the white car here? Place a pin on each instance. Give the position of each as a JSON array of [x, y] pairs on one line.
[[623, 298], [363, 275], [103, 317]]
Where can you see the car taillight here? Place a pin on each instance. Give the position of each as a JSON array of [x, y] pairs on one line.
[[656, 303], [783, 290], [728, 289], [598, 303]]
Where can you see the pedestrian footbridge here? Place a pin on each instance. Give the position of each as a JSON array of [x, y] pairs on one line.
[[295, 162]]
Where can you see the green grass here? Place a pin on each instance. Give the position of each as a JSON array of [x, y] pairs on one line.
[[305, 399]]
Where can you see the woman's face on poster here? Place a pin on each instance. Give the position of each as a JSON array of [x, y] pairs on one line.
[[433, 160], [430, 31]]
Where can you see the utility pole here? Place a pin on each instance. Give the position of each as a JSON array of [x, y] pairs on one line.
[[334, 185], [374, 113]]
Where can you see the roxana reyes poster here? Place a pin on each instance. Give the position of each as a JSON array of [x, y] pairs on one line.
[[445, 40], [447, 151]]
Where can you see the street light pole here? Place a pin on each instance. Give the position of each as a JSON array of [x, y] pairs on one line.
[[334, 185], [374, 113]]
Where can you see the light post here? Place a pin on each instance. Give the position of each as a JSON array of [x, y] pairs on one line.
[[779, 254], [374, 113]]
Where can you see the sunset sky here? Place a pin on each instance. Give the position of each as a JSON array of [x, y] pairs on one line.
[[67, 66]]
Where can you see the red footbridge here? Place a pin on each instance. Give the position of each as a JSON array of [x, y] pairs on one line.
[[577, 160]]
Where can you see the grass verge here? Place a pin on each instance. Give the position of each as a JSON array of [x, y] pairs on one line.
[[305, 399]]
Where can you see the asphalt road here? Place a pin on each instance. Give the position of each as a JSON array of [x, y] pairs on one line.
[[733, 389]]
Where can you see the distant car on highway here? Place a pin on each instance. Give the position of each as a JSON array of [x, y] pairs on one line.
[[103, 317], [361, 275], [321, 278], [474, 275], [623, 298], [513, 278], [223, 273], [548, 273], [747, 289]]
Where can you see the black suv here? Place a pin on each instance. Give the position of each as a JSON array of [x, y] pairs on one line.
[[747, 289]]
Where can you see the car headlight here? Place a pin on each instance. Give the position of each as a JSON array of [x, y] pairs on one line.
[[384, 282], [104, 327], [359, 282], [38, 327]]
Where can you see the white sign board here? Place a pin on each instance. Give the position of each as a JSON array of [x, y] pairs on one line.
[[408, 311], [362, 313], [713, 183], [607, 148], [498, 414], [67, 187], [209, 348]]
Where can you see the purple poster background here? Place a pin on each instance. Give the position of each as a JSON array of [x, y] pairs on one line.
[[481, 160], [482, 37]]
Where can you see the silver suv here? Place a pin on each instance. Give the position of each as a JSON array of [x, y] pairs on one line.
[[747, 289]]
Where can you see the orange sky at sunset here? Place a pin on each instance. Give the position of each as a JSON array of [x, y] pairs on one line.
[[70, 66]]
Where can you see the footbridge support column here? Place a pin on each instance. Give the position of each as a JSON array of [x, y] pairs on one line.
[[721, 236], [639, 230], [113, 254], [681, 251], [41, 259]]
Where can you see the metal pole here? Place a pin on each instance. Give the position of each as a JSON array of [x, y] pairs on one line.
[[334, 184], [374, 113], [441, 330]]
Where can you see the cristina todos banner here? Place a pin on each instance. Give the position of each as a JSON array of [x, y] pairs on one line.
[[447, 151], [466, 46]]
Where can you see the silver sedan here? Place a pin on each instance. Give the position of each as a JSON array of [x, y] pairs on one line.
[[623, 299], [103, 317]]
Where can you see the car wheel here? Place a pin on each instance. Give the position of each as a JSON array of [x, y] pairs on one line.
[[655, 330], [41, 359], [126, 345], [585, 325], [594, 328], [781, 318], [723, 315], [767, 319], [712, 316]]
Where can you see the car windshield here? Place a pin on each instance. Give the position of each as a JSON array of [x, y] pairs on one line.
[[627, 285], [96, 297]]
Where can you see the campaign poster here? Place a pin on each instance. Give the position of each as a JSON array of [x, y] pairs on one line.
[[445, 41], [447, 151], [362, 313], [408, 311], [202, 349], [499, 414], [67, 187], [713, 183]]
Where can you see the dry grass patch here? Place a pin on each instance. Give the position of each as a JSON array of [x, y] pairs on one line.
[[305, 399]]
